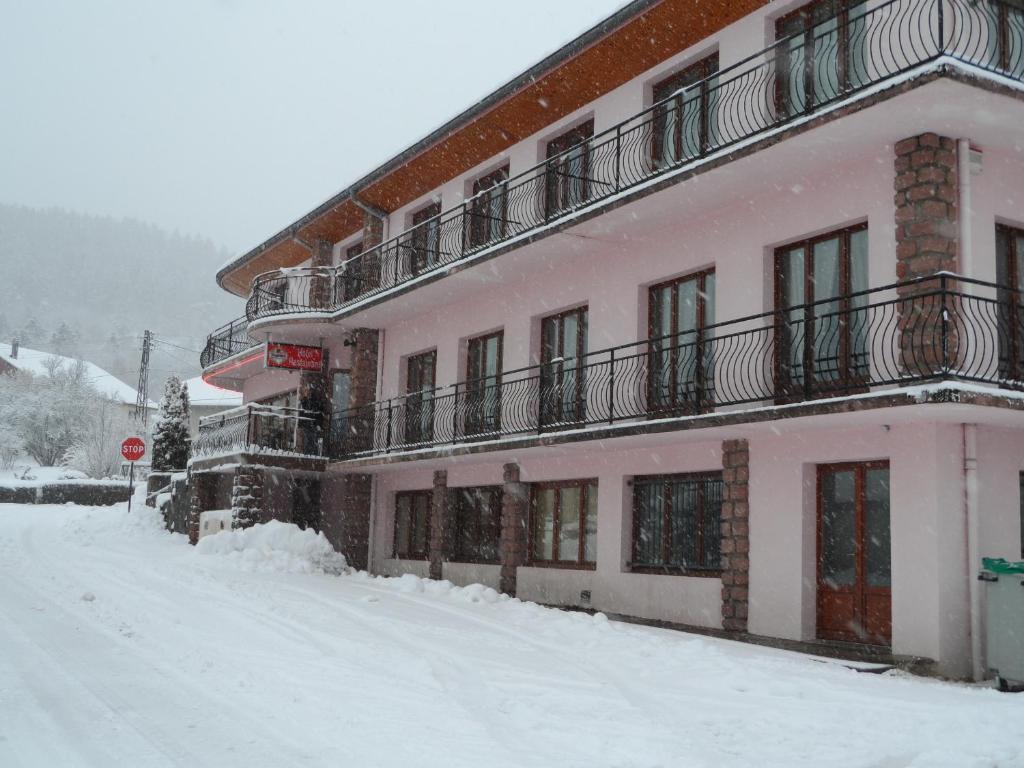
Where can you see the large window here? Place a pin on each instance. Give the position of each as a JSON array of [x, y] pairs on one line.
[[681, 366], [562, 371], [425, 238], [822, 331], [412, 524], [482, 403], [477, 528], [568, 176], [488, 215], [563, 523], [683, 126], [419, 399], [824, 54], [677, 522], [1010, 276]]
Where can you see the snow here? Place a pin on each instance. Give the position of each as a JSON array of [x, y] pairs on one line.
[[275, 546], [123, 645], [204, 394], [107, 384], [25, 473]]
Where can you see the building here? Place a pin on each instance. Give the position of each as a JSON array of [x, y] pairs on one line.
[[710, 317], [208, 400], [14, 357]]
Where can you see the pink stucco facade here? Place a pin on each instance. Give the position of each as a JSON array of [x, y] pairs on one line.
[[955, 462]]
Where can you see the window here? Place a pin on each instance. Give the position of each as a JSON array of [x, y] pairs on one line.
[[681, 366], [277, 430], [683, 127], [477, 528], [822, 342], [1010, 277], [568, 177], [487, 210], [483, 384], [677, 522], [562, 367], [563, 529], [341, 388], [419, 398], [412, 524], [349, 275], [1004, 35], [824, 56], [425, 237]]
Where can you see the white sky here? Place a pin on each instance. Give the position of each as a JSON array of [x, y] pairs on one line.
[[229, 119]]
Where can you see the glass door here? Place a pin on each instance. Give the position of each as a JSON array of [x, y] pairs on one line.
[[483, 384], [420, 384], [568, 172], [854, 601], [425, 240], [683, 126], [562, 369], [681, 375], [487, 215], [1010, 277]]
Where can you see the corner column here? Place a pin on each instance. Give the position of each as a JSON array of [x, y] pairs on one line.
[[515, 511], [438, 524], [203, 492], [247, 496], [735, 534]]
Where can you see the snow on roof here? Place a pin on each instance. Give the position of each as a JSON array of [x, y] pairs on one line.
[[202, 393], [34, 361]]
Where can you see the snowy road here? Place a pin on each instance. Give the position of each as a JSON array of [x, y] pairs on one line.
[[120, 645]]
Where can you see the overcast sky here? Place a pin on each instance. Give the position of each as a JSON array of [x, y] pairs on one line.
[[229, 119]]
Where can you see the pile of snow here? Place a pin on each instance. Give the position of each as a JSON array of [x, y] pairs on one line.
[[276, 547]]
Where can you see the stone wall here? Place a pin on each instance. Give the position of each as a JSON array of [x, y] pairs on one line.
[[515, 511], [87, 494], [735, 534]]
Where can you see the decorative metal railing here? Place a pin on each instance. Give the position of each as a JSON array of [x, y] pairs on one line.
[[254, 428], [226, 341], [927, 330], [796, 77]]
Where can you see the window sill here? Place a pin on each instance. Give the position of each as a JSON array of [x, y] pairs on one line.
[[415, 558], [658, 570], [467, 561], [555, 565]]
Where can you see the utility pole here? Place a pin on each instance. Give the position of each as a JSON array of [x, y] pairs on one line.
[[142, 400]]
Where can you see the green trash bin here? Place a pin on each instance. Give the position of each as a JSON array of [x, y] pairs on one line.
[[1004, 598]]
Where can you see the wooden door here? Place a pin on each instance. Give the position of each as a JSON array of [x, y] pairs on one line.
[[854, 561]]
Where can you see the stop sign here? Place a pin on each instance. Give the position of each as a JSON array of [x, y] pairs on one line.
[[133, 448]]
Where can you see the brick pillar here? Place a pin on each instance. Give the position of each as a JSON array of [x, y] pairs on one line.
[[926, 242], [315, 401], [735, 534], [203, 492], [320, 286], [373, 235], [247, 496], [363, 391], [438, 524], [515, 512]]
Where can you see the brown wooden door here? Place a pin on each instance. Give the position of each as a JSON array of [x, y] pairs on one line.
[[854, 562]]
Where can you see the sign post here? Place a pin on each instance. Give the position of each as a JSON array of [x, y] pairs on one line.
[[132, 449]]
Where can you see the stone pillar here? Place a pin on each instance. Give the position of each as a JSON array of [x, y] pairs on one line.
[[926, 242], [321, 258], [353, 535], [735, 534], [515, 514], [363, 391], [373, 235], [438, 524], [203, 497], [247, 496]]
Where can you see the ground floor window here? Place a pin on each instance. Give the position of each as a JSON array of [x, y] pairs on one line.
[[563, 523], [412, 524], [477, 524], [677, 522]]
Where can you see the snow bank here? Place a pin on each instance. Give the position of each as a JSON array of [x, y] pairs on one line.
[[275, 547]]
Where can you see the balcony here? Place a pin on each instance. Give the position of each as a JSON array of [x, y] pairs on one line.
[[797, 77], [264, 430], [942, 328], [227, 341]]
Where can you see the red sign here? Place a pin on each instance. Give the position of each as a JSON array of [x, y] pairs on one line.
[[133, 449], [295, 357]]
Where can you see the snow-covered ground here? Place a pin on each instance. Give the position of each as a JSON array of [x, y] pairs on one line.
[[120, 645]]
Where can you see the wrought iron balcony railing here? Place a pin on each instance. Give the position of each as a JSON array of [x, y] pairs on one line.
[[254, 428], [917, 332], [226, 341], [796, 77]]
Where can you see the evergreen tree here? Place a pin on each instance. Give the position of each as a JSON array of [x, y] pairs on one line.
[[64, 340], [170, 437]]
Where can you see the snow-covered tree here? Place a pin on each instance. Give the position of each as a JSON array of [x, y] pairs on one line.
[[31, 333], [10, 445], [64, 340], [170, 436], [97, 451]]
